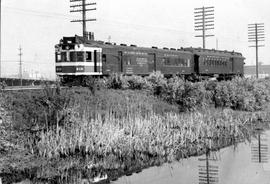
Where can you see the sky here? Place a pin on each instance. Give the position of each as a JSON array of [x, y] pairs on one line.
[[37, 25]]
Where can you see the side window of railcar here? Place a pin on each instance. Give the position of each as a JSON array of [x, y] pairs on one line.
[[88, 56], [80, 56], [104, 58], [182, 62], [166, 61]]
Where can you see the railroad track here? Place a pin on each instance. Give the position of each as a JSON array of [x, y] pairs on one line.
[[18, 88]]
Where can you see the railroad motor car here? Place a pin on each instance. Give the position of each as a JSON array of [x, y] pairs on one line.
[[78, 57]]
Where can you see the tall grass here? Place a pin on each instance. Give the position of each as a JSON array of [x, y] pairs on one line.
[[165, 136]]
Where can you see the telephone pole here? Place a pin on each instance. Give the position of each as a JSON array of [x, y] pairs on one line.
[[83, 8], [256, 34], [20, 72], [204, 19]]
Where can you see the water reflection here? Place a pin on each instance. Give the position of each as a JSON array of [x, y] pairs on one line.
[[234, 164], [259, 148], [71, 176], [208, 173], [230, 165]]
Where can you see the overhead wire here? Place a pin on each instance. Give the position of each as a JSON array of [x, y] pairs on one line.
[[67, 16], [26, 62], [111, 21], [40, 13]]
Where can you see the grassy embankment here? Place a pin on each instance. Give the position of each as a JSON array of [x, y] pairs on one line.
[[146, 121]]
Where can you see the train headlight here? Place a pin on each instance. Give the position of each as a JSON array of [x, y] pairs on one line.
[[58, 69], [80, 69]]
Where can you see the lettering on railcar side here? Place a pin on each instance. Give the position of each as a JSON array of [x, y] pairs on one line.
[[215, 61], [135, 53], [141, 61]]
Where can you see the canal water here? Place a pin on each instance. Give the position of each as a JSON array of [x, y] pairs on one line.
[[244, 163]]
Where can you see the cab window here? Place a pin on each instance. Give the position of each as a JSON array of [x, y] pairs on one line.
[[80, 56], [88, 56], [72, 56], [58, 57], [63, 56]]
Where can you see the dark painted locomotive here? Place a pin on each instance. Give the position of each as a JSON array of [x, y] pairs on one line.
[[77, 57]]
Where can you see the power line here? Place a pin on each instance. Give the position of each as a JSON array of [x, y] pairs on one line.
[[38, 13], [26, 62], [66, 16]]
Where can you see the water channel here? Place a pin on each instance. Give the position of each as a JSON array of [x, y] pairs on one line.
[[244, 163]]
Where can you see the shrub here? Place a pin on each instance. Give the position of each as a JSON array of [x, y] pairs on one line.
[[193, 96], [173, 90], [157, 81], [245, 100], [117, 81], [241, 94], [224, 94], [137, 83], [3, 85], [261, 94]]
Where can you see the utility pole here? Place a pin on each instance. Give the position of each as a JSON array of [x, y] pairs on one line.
[[82, 7], [20, 72], [256, 34], [204, 19]]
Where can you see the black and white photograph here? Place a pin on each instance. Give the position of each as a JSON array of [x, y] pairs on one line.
[[134, 92]]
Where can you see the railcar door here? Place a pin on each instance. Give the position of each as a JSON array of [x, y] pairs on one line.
[[152, 65], [95, 61], [196, 63], [232, 63], [120, 56]]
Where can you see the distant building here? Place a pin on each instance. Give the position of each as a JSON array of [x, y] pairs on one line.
[[250, 71], [25, 75], [35, 75]]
